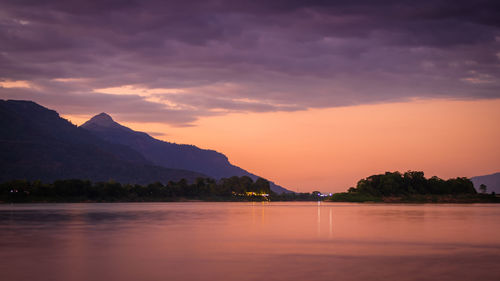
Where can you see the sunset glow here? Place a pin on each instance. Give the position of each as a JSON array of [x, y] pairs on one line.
[[249, 140], [331, 149], [311, 95]]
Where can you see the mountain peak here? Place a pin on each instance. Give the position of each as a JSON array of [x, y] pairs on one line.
[[103, 116], [102, 119]]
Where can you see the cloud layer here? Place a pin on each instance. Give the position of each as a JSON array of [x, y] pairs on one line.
[[176, 61]]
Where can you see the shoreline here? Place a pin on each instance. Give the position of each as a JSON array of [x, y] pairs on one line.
[[383, 202]]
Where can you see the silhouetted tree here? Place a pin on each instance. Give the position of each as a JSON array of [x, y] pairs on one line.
[[411, 182]]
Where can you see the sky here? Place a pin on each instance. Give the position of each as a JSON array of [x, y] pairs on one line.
[[313, 95]]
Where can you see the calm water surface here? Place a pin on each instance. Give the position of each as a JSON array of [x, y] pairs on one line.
[[249, 241]]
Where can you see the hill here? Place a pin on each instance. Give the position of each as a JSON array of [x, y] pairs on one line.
[[492, 182], [36, 143]]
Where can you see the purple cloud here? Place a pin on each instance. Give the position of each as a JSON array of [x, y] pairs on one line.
[[250, 56]]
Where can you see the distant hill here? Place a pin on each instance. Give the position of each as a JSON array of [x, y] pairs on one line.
[[166, 154], [36, 143], [492, 182]]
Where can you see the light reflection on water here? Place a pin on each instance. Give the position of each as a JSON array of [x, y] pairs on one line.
[[249, 241]]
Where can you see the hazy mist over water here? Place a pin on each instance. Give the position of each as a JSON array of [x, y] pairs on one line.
[[249, 241]]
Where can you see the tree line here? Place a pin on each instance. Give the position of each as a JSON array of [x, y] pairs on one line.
[[413, 186], [77, 190], [410, 183]]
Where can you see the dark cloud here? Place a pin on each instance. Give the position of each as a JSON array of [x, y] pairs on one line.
[[253, 56], [157, 134], [124, 107]]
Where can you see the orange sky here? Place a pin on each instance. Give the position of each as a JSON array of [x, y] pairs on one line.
[[331, 149], [239, 74]]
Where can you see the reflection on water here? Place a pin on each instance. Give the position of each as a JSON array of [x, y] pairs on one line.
[[249, 241], [330, 224]]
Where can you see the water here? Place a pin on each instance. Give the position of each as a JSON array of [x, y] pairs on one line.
[[249, 241]]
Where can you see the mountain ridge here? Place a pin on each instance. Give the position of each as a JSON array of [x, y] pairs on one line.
[[37, 144], [167, 154]]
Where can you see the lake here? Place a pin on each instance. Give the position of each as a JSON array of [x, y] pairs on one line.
[[249, 241]]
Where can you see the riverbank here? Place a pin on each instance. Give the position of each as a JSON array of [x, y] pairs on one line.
[[136, 200], [416, 198], [422, 199]]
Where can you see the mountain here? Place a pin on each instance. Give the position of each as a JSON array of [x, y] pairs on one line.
[[36, 143], [166, 154], [492, 182]]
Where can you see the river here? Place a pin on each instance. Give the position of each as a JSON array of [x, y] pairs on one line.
[[249, 241]]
